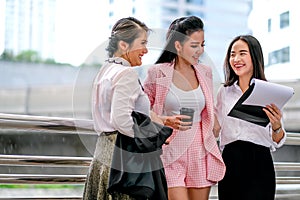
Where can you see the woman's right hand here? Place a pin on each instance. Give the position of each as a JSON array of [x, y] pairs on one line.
[[176, 122]]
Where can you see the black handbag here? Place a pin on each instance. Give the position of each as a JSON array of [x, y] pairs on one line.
[[136, 168]]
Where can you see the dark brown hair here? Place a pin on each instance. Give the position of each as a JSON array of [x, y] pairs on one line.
[[126, 29]]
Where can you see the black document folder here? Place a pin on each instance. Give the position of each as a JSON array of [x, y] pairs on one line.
[[254, 112], [250, 113]]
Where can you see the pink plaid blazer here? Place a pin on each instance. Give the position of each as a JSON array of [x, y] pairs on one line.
[[156, 86]]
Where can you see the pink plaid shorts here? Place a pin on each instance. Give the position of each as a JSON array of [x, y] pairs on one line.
[[185, 159]]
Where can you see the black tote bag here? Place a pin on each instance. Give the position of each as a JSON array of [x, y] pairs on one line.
[[136, 168]]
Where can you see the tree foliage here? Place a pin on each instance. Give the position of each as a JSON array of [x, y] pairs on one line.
[[30, 56]]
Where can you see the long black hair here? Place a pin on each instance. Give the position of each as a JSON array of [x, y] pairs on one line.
[[179, 30], [256, 57]]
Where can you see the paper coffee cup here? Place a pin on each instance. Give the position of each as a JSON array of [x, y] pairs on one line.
[[189, 112]]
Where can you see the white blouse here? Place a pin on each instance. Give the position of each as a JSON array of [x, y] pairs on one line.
[[116, 93], [233, 129]]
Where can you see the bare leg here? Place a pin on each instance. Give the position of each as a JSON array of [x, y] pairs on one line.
[[182, 193], [199, 193], [178, 193]]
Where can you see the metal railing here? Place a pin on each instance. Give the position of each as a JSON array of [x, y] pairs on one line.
[[22, 124]]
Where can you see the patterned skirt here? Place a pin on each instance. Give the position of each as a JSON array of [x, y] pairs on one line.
[[98, 176]]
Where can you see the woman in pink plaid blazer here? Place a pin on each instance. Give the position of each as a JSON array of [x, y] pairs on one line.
[[192, 160]]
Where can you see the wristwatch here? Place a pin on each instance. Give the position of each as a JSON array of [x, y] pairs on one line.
[[277, 130]]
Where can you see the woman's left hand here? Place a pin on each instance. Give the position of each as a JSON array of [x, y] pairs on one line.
[[274, 114]]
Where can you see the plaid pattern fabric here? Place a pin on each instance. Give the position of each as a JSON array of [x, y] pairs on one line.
[[156, 86], [185, 159]]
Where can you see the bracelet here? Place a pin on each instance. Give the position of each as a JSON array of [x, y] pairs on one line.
[[277, 130]]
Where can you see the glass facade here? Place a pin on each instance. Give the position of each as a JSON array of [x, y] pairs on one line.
[[285, 19], [279, 56]]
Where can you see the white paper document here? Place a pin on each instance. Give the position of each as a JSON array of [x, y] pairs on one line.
[[264, 93]]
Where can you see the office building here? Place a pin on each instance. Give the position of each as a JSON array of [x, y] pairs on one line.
[[222, 19], [274, 23], [30, 25]]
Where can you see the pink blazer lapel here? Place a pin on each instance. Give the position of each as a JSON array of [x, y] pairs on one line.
[[164, 78], [215, 165]]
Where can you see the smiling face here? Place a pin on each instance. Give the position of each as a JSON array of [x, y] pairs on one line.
[[136, 50], [240, 60], [191, 49]]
